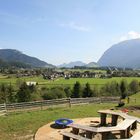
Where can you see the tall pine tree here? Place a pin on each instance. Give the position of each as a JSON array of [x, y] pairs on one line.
[[87, 92], [123, 89], [77, 90]]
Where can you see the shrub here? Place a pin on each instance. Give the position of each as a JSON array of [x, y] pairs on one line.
[[134, 86], [54, 93]]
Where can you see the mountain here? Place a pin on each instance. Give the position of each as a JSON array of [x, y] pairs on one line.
[[15, 56], [123, 54], [92, 64], [9, 64], [78, 63], [72, 64]]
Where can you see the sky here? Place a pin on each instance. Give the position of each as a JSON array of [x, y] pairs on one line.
[[61, 31]]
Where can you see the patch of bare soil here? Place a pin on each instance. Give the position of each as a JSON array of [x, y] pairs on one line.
[[49, 132]]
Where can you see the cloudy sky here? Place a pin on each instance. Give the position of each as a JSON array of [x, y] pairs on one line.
[[59, 31]]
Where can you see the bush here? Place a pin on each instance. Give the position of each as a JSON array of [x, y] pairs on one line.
[[68, 92], [111, 89], [54, 93], [27, 93], [134, 86]]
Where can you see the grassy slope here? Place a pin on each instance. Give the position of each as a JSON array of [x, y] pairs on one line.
[[133, 103], [137, 97], [22, 124]]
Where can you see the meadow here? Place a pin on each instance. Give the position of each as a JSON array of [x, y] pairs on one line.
[[23, 125], [61, 81], [16, 125], [20, 125]]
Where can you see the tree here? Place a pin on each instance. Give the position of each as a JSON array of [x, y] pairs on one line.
[[24, 94], [19, 82], [77, 90], [87, 92], [11, 94], [54, 93], [111, 89], [123, 89], [3, 93], [134, 86], [109, 71], [68, 91], [114, 89], [7, 94]]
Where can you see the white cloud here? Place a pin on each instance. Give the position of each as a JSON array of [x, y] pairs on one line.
[[130, 35], [75, 26]]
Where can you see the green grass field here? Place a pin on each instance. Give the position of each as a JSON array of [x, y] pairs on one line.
[[26, 123], [62, 81], [20, 124], [91, 80]]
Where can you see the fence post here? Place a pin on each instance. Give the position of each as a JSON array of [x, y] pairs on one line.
[[128, 100], [100, 100], [69, 99], [41, 105], [5, 107]]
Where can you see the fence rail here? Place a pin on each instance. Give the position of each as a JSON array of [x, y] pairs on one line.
[[3, 109], [56, 102]]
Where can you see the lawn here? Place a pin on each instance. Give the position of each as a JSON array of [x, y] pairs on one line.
[[134, 102], [19, 124], [95, 81], [61, 81]]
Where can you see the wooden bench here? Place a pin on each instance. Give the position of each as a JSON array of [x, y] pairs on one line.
[[68, 136], [103, 115], [134, 137], [89, 130], [121, 114], [124, 127]]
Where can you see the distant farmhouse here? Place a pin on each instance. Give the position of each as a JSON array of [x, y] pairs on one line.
[[30, 83]]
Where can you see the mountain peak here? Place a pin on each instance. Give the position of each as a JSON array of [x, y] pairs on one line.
[[72, 64], [77, 63], [123, 54]]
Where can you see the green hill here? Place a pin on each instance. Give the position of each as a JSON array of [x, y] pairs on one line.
[[15, 56]]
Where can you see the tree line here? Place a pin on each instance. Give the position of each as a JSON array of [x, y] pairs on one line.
[[25, 93]]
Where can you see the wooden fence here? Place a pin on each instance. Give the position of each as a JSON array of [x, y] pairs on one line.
[[3, 109], [57, 102]]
